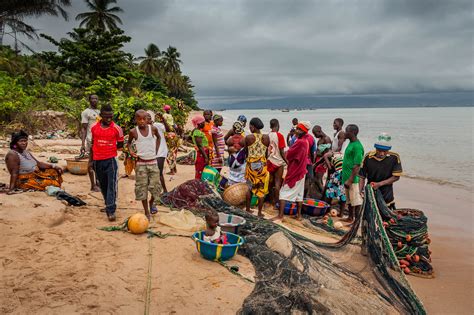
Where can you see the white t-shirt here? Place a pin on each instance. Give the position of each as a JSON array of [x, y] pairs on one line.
[[163, 149], [89, 116]]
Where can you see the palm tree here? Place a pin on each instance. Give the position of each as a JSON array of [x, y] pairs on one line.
[[101, 17], [171, 60], [13, 12], [150, 63]]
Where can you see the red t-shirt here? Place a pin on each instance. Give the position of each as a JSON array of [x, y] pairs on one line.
[[104, 141]]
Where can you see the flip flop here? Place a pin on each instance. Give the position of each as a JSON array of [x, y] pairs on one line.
[[154, 210]]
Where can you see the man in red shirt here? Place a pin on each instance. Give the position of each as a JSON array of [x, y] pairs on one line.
[[107, 137]]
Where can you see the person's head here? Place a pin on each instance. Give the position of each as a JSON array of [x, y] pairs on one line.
[[255, 125], [198, 121], [318, 131], [167, 108], [150, 116], [19, 141], [106, 114], [294, 121], [338, 123], [207, 115], [238, 127], [275, 124], [351, 132], [218, 120], [93, 100], [212, 219], [383, 145], [302, 128], [242, 119], [141, 118]]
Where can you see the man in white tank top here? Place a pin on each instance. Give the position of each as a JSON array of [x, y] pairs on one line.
[[339, 142], [147, 174]]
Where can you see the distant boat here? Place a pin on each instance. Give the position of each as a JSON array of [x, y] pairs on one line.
[[285, 110]]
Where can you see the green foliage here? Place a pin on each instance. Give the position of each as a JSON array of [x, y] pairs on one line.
[[88, 55]]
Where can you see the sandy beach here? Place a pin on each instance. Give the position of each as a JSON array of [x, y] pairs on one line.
[[54, 260]]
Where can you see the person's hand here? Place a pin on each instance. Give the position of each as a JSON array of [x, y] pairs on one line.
[[83, 150], [58, 169], [347, 184], [375, 185]]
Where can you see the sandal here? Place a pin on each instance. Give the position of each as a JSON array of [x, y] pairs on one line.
[[154, 210]]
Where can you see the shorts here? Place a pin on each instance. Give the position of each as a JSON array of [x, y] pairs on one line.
[[353, 195], [295, 194], [147, 179]]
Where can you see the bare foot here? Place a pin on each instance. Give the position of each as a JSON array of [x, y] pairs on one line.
[[95, 188], [124, 176], [277, 218], [170, 173], [250, 211], [261, 215], [298, 217]]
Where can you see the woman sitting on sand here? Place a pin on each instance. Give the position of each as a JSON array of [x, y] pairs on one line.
[[26, 172]]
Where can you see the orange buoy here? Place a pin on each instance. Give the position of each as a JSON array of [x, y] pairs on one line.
[[137, 223]]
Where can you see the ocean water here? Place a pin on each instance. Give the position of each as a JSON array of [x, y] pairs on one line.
[[434, 144]]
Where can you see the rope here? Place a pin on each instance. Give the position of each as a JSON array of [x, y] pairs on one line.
[[148, 280], [235, 270]]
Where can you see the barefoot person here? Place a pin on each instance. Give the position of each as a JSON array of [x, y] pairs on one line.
[[88, 118], [350, 169], [276, 161], [256, 172], [162, 126], [219, 143], [381, 168], [107, 138], [173, 141], [26, 172], [201, 146], [320, 167], [147, 179], [293, 186]]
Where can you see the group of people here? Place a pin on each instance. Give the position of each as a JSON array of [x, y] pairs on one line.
[[278, 170], [275, 169]]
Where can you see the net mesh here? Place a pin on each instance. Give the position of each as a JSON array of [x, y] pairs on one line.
[[295, 273]]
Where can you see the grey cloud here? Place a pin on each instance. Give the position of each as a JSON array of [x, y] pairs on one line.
[[303, 47]]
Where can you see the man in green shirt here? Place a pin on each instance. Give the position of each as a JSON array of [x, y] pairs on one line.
[[353, 157]]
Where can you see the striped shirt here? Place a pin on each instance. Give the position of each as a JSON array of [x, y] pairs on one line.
[[104, 141]]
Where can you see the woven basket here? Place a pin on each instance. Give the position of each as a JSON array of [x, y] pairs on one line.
[[235, 194], [77, 167]]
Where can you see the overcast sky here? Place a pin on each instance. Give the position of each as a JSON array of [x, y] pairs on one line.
[[255, 48]]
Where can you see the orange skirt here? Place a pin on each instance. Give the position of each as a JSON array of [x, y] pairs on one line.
[[39, 180]]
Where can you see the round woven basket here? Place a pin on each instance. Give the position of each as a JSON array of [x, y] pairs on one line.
[[235, 194], [77, 167]]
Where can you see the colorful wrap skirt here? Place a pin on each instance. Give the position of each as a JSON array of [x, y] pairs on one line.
[[39, 180]]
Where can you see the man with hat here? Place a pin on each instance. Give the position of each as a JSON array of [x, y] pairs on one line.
[[381, 168], [293, 185]]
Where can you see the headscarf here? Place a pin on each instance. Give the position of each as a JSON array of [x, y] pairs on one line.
[[17, 136], [242, 118], [216, 117], [238, 127], [197, 120], [383, 142], [166, 107], [304, 125]]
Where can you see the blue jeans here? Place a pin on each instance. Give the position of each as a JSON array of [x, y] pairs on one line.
[[106, 172]]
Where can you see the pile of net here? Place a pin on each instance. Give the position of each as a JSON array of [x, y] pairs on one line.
[[187, 159], [186, 195], [296, 274], [408, 233]]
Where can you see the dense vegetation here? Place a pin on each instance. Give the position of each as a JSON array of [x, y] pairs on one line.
[[91, 60]]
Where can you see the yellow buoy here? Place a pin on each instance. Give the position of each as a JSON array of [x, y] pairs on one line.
[[138, 223]]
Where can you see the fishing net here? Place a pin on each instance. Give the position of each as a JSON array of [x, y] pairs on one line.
[[297, 274], [187, 159], [186, 195]]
